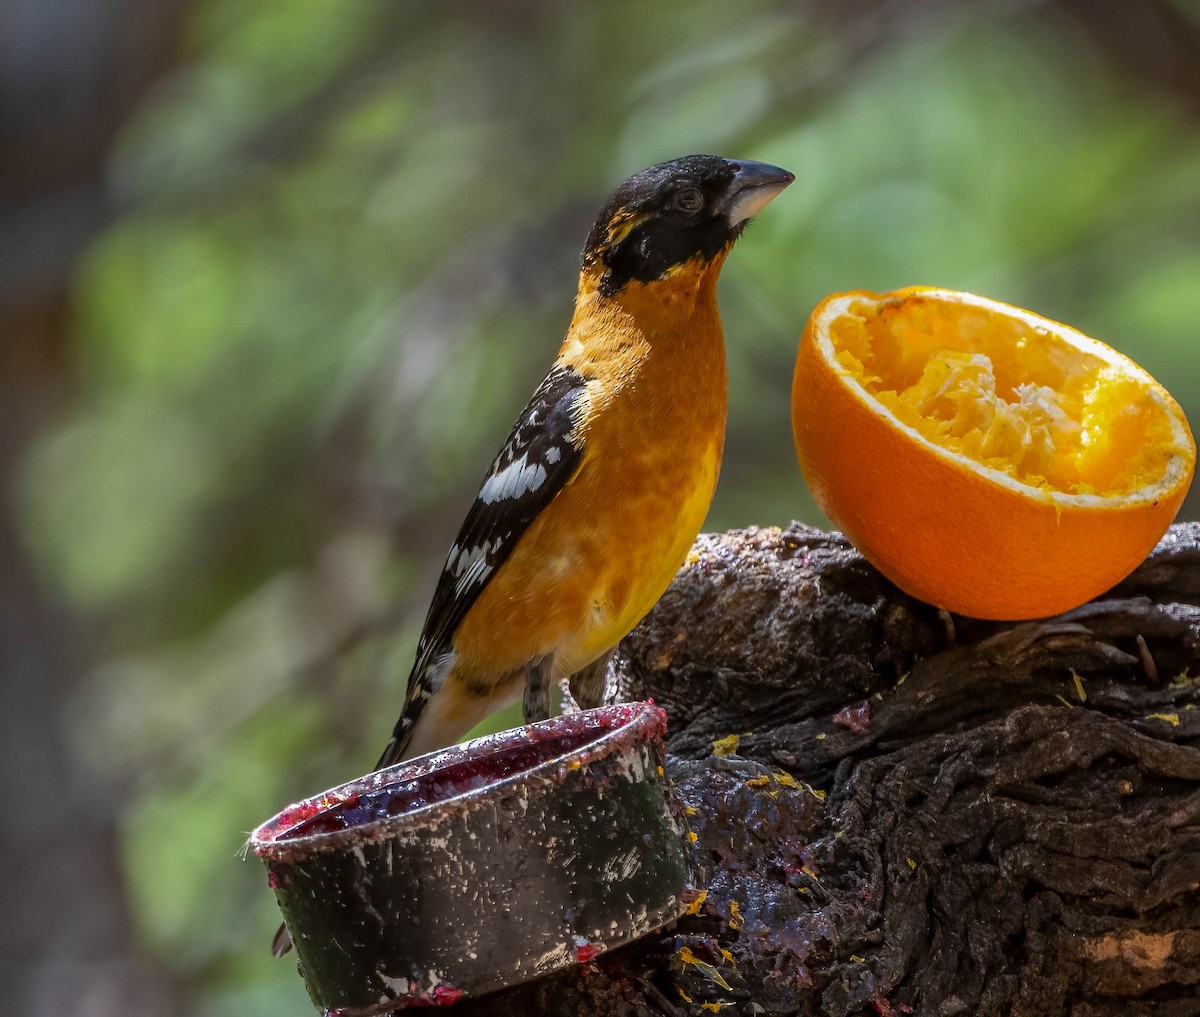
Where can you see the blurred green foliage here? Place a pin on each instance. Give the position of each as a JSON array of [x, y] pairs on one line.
[[347, 255]]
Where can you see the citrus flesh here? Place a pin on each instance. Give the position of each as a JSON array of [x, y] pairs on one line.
[[985, 459]]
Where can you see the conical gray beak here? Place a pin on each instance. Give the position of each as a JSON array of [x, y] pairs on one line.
[[754, 186]]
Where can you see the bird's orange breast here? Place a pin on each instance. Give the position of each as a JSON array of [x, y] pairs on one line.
[[600, 555]]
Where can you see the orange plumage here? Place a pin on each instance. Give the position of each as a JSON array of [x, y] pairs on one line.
[[593, 503], [591, 566]]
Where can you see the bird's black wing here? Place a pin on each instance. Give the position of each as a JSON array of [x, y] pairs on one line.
[[539, 458]]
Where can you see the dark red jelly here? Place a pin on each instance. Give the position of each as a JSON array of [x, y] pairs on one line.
[[457, 777]]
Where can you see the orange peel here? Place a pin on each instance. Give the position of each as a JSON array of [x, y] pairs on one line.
[[985, 459]]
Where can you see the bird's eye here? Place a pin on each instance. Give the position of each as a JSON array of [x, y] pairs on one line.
[[689, 200]]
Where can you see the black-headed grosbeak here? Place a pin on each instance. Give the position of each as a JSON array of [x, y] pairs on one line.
[[596, 497]]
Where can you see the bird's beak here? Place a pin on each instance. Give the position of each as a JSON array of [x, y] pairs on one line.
[[754, 186]]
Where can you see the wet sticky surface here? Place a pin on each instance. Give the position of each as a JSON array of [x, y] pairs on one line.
[[469, 774], [462, 772]]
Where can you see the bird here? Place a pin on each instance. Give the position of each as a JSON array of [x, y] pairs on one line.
[[594, 500]]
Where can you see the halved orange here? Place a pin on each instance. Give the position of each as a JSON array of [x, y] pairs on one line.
[[986, 460]]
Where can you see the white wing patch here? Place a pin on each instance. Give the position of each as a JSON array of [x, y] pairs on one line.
[[477, 573], [465, 560], [517, 479], [471, 565]]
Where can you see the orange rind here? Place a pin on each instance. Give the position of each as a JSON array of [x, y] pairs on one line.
[[985, 459]]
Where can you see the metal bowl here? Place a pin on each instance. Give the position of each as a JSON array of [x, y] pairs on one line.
[[483, 865]]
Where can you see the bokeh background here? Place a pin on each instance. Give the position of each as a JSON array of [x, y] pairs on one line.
[[275, 278]]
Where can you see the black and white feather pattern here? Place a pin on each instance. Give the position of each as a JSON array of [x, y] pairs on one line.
[[539, 458]]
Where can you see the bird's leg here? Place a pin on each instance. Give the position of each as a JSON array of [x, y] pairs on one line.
[[587, 684], [537, 690]]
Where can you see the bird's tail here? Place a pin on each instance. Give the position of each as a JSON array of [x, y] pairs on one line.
[[420, 730], [402, 733], [281, 945]]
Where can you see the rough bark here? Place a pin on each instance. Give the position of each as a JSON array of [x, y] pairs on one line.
[[921, 813]]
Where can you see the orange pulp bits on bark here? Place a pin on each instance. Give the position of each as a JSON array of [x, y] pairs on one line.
[[985, 459]]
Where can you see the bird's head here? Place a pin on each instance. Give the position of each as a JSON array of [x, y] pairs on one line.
[[688, 210]]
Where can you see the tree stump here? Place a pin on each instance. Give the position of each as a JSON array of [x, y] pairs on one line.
[[899, 810]]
